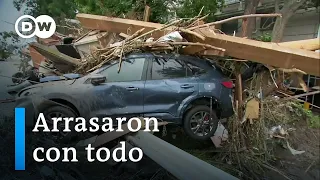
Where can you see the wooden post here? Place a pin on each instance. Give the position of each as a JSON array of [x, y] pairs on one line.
[[146, 14], [238, 89]]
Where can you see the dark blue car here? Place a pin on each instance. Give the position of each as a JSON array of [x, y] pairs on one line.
[[186, 90]]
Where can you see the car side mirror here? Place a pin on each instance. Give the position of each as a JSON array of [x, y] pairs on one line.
[[98, 79]]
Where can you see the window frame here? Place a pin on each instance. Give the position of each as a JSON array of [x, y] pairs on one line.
[[144, 69]]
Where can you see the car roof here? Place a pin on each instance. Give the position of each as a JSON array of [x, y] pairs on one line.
[[136, 55], [192, 59], [189, 58]]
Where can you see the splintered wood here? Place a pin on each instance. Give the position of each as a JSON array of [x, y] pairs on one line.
[[252, 110], [265, 53], [288, 55]]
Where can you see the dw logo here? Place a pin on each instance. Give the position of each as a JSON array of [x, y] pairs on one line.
[[43, 26]]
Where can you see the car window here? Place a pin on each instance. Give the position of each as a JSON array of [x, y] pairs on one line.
[[167, 68], [194, 69], [131, 70]]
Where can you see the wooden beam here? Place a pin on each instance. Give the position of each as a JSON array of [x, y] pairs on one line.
[[119, 25], [308, 44], [202, 51], [265, 53], [54, 55]]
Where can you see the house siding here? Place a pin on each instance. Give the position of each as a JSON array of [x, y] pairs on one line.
[[304, 24]]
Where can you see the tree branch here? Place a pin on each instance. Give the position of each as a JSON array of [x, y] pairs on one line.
[[235, 18]]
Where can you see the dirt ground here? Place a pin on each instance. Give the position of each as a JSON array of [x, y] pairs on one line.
[[302, 166]]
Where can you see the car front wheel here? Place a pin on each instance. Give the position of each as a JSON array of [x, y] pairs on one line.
[[200, 122], [56, 112]]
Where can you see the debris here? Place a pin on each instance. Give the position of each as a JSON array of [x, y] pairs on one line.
[[47, 173], [118, 25], [277, 131], [171, 37], [123, 35], [54, 55], [90, 42], [309, 44], [292, 70], [302, 95], [220, 135], [36, 57], [297, 99], [293, 151], [252, 110], [265, 53]]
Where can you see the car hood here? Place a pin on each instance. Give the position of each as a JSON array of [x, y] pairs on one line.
[[60, 78], [49, 85]]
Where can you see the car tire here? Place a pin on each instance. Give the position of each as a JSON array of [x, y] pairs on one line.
[[188, 118], [65, 112]]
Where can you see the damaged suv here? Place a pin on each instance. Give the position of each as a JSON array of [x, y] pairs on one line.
[[185, 90]]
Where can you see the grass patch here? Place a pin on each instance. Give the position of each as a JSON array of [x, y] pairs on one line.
[[312, 119]]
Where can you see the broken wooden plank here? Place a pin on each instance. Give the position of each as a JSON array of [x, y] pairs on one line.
[[118, 25], [302, 95], [308, 44], [211, 52], [194, 50], [123, 35], [297, 99], [252, 110], [202, 51], [265, 53], [54, 55]]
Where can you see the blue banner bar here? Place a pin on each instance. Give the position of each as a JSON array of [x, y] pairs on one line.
[[19, 139]]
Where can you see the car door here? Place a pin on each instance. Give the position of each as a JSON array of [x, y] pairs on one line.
[[122, 94], [167, 87]]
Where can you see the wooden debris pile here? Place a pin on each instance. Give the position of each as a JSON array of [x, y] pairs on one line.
[[199, 39], [174, 40]]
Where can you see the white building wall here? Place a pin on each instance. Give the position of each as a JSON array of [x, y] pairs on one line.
[[303, 25]]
